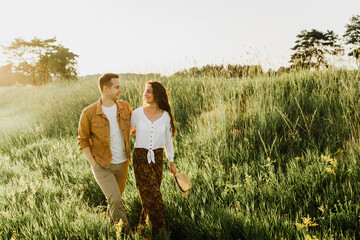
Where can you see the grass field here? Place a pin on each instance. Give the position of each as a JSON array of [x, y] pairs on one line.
[[272, 157]]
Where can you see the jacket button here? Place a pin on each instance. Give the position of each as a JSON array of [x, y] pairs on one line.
[[105, 135]]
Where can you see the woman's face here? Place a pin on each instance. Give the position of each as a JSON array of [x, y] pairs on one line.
[[148, 96]]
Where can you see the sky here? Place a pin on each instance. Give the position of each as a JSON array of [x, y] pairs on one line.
[[166, 36]]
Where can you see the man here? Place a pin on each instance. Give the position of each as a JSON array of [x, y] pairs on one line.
[[104, 137]]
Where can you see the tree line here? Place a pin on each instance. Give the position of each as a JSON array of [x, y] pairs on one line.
[[215, 71], [312, 47], [39, 61], [312, 50]]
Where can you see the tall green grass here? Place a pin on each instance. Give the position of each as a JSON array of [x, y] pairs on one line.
[[269, 158]]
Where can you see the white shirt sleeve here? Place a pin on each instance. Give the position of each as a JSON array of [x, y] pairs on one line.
[[169, 148], [133, 121]]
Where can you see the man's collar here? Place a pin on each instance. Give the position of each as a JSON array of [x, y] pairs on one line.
[[119, 106], [99, 108]]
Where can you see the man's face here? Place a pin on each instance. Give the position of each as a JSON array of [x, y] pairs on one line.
[[114, 91]]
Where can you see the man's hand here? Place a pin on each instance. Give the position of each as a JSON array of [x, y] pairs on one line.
[[89, 156], [92, 164]]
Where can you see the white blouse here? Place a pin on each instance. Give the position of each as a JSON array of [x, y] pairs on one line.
[[152, 135]]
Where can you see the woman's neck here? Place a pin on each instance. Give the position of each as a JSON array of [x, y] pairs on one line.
[[152, 107]]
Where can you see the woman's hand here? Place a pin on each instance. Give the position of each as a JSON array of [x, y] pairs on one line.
[[172, 168]]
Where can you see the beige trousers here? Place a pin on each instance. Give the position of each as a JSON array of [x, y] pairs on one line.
[[112, 183]]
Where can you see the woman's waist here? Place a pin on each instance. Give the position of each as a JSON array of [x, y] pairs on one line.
[[145, 149], [149, 145]]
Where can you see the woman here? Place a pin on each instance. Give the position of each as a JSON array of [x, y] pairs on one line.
[[154, 126]]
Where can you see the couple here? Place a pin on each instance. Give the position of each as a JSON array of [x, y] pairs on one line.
[[104, 136]]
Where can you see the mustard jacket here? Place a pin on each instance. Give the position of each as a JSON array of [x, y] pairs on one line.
[[94, 130]]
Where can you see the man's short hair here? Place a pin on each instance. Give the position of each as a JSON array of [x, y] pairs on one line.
[[105, 80]]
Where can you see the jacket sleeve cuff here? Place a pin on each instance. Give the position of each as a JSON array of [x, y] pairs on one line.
[[83, 144]]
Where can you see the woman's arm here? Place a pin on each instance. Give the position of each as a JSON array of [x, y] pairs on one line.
[[133, 120], [169, 147]]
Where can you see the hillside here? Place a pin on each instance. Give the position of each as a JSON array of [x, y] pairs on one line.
[[269, 158]]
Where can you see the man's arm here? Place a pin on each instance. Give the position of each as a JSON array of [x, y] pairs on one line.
[[84, 137], [89, 156]]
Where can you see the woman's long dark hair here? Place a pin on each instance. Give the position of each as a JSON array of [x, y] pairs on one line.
[[162, 100]]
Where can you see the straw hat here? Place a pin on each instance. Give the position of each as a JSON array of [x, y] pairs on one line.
[[184, 184]]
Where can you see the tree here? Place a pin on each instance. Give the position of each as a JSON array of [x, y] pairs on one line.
[[252, 70], [42, 59], [312, 47], [234, 71], [212, 70], [8, 77], [282, 70], [352, 37]]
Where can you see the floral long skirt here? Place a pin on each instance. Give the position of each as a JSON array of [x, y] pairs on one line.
[[148, 181]]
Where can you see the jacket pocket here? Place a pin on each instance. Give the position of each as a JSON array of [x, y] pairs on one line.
[[99, 124], [99, 128]]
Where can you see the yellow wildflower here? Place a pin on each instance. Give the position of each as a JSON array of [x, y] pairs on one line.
[[330, 160], [307, 222], [330, 170], [308, 237], [147, 220], [119, 227]]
